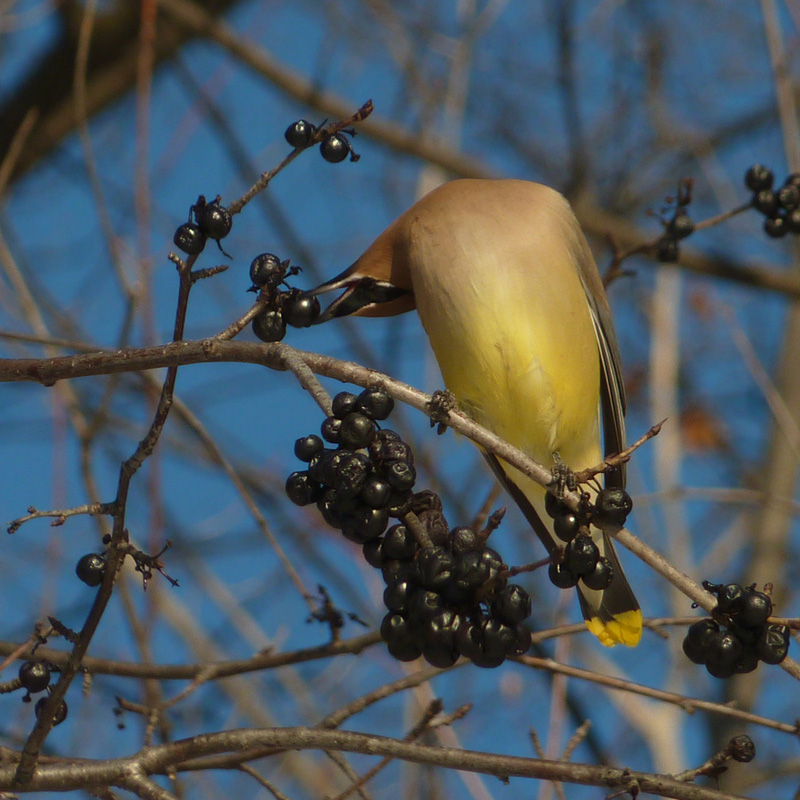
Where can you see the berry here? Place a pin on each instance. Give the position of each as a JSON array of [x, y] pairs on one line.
[[463, 540], [566, 526], [758, 177], [330, 429], [730, 598], [747, 662], [724, 651], [269, 325], [301, 490], [300, 133], [399, 503], [756, 609], [347, 473], [189, 238], [376, 492], [434, 567], [306, 447], [372, 552], [300, 310], [267, 270], [561, 576], [335, 148], [58, 717], [329, 508], [375, 403], [399, 543], [400, 475], [601, 576], [357, 431], [793, 221], [343, 404], [680, 226], [395, 632], [766, 202], [365, 524], [789, 196], [776, 227], [611, 507], [698, 638], [742, 748], [554, 506], [214, 220], [772, 644], [581, 554], [396, 595], [439, 636], [91, 568], [667, 250], [34, 676], [511, 605]]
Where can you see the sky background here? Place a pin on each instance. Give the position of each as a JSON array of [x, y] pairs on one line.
[[654, 91]]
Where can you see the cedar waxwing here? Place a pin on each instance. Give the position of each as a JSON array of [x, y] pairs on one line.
[[511, 300]]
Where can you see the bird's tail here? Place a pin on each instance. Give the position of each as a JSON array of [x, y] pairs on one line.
[[613, 614]]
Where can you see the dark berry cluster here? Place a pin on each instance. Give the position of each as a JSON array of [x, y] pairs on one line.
[[211, 221], [334, 147], [678, 226], [286, 307], [446, 592], [581, 559], [745, 638], [780, 206]]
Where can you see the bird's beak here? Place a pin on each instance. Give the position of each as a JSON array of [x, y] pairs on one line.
[[363, 295]]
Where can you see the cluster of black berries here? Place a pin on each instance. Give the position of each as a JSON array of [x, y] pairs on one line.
[[334, 147], [34, 676], [746, 637], [292, 307], [211, 221], [446, 593], [780, 207], [581, 559]]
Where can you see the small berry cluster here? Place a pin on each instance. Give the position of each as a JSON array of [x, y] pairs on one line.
[[446, 592], [292, 307], [34, 676], [780, 207], [211, 221], [746, 637], [581, 559], [334, 147]]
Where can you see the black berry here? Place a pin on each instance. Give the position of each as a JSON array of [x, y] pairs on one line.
[[758, 177], [214, 219], [34, 676], [301, 490], [269, 325], [375, 403], [267, 270], [611, 507], [189, 238], [300, 133], [306, 447], [335, 148], [91, 568], [300, 310], [58, 717]]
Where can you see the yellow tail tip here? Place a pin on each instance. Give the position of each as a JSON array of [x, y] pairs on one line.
[[624, 628]]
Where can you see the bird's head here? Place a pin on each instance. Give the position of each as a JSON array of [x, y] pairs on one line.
[[377, 284]]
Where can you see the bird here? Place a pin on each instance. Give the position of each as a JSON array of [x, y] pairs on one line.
[[509, 295]]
